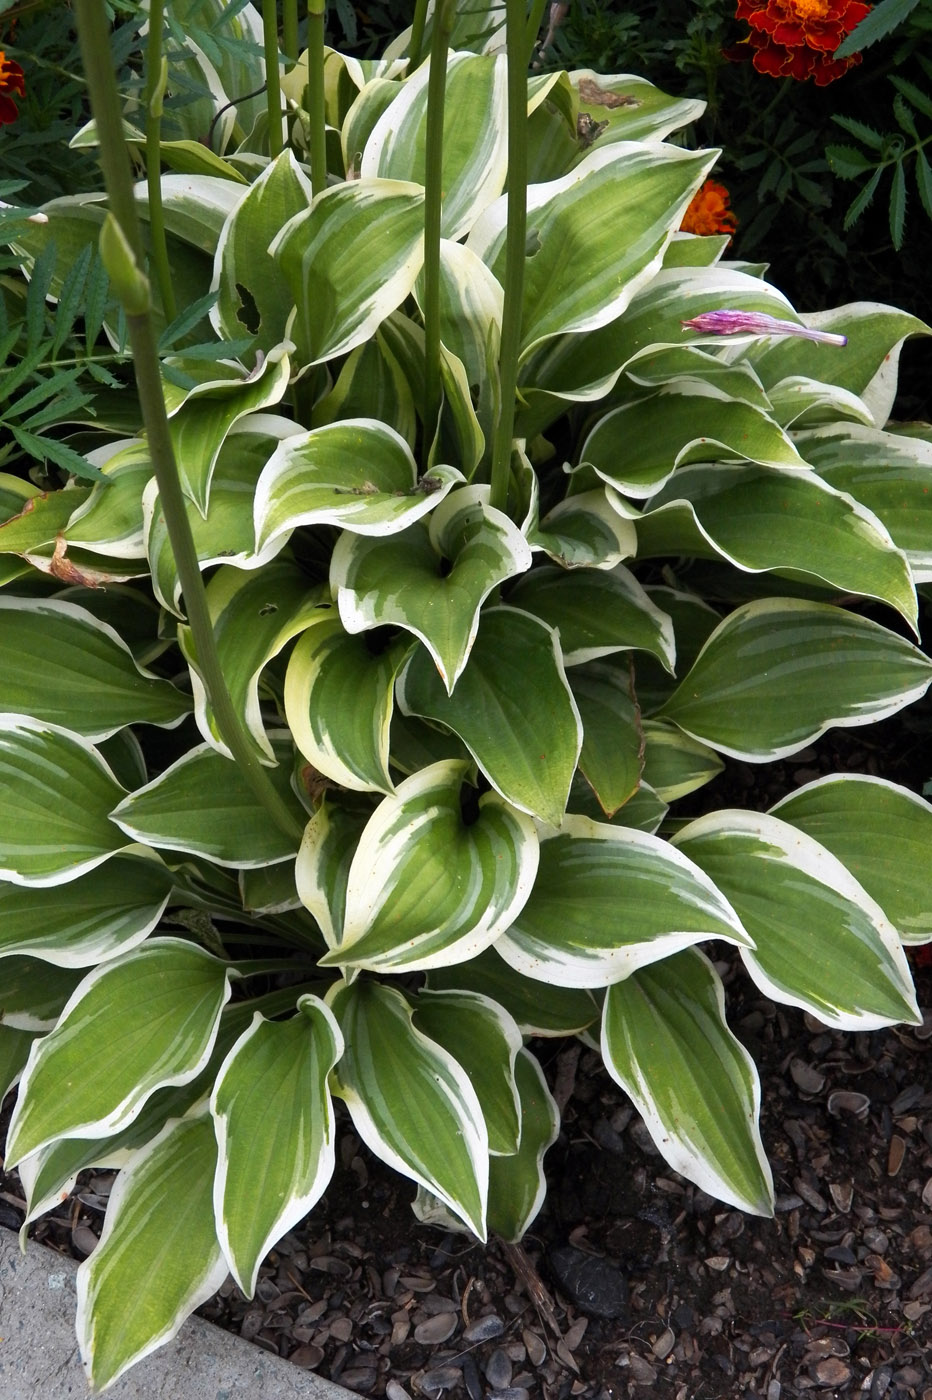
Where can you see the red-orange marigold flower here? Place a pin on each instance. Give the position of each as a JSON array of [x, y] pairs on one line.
[[798, 38], [11, 80], [708, 211]]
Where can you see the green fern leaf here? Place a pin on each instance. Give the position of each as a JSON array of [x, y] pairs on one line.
[[920, 100], [70, 298], [847, 162], [39, 286], [95, 301]]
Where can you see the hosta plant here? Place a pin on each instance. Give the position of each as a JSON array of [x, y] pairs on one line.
[[347, 698]]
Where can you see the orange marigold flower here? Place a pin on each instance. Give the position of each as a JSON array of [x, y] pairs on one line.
[[11, 80], [708, 211], [798, 38]]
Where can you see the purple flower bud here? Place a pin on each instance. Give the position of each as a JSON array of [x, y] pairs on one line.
[[756, 323]]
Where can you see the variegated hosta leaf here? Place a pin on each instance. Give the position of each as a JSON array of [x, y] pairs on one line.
[[471, 301], [517, 1185], [644, 809], [60, 664], [226, 534], [200, 424], [820, 941], [415, 743], [14, 1052], [411, 1102], [269, 889], [608, 900], [867, 365], [431, 582], [674, 763], [693, 623], [799, 403], [339, 699], [144, 1020], [254, 614], [758, 518], [341, 291], [632, 109], [252, 294], [596, 613], [586, 367], [665, 1041], [57, 796], [512, 708], [426, 887], [371, 383], [109, 521], [158, 1247], [202, 804], [834, 668], [357, 473], [659, 365], [282, 1065], [539, 1008], [34, 992], [33, 522], [324, 858], [612, 755], [887, 473], [195, 207], [637, 447], [579, 273], [481, 1035], [105, 912], [475, 137], [584, 532], [882, 833]]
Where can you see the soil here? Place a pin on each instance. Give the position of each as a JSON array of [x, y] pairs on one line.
[[633, 1282]]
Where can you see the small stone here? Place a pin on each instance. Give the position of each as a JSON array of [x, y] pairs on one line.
[[808, 1080], [498, 1369], [880, 1382], [474, 1387], [440, 1378], [842, 1194], [536, 1347], [895, 1154], [594, 1285], [309, 1357], [435, 1329], [831, 1371], [484, 1329], [848, 1101], [642, 1371], [664, 1344], [362, 1379]]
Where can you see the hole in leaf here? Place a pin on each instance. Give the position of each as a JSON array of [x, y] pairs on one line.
[[248, 312]]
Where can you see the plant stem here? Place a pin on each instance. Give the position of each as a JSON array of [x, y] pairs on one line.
[[316, 105], [273, 88], [290, 31], [156, 77], [433, 209], [114, 158], [534, 21], [515, 240], [417, 36]]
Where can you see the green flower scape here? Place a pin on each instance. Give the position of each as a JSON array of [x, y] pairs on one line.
[[390, 537]]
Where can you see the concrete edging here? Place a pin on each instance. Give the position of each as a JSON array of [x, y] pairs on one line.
[[39, 1352]]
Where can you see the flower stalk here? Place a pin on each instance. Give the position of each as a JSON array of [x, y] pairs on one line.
[[316, 105], [515, 252], [273, 87], [433, 212], [126, 248], [156, 82]]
